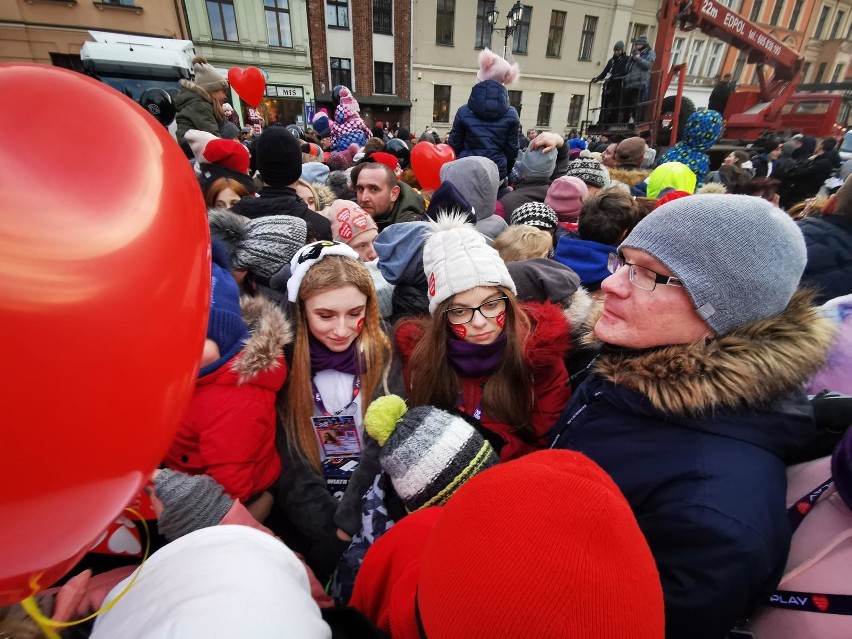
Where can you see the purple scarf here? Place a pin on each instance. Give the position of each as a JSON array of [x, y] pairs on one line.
[[323, 359], [476, 360]]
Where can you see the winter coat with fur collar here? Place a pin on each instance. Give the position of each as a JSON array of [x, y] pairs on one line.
[[545, 350], [228, 431], [696, 436], [195, 110]]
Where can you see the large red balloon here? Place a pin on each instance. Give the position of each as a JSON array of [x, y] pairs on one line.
[[104, 286], [248, 84], [427, 160]]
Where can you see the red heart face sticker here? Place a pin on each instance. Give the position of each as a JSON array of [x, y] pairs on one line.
[[432, 285], [248, 84], [345, 231], [427, 160], [820, 601], [359, 325], [501, 319], [459, 330], [343, 215], [803, 507], [359, 220]]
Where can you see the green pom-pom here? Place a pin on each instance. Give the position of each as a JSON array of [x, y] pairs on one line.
[[382, 416]]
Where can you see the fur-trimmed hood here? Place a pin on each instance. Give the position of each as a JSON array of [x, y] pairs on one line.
[[753, 366], [191, 86], [269, 332], [630, 177]]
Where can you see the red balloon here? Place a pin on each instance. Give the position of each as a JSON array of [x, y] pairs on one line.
[[104, 287], [248, 84], [427, 160]]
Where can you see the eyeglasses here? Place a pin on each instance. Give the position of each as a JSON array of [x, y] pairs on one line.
[[640, 277], [489, 310]]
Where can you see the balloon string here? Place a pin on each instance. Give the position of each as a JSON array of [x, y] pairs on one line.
[[47, 625]]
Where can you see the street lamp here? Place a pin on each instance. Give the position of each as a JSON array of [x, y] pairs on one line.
[[512, 20]]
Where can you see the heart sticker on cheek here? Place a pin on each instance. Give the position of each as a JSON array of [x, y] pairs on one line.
[[359, 325], [459, 330], [501, 319]]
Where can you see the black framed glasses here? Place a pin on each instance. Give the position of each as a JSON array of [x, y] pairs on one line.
[[488, 309], [641, 277]]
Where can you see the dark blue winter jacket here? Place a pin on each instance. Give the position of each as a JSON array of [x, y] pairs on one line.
[[696, 437], [829, 243], [487, 126]]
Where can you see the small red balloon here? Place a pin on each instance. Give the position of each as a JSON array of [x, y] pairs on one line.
[[427, 160], [104, 287], [248, 84]]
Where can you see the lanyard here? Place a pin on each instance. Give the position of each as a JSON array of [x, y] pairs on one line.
[[356, 390], [798, 511], [477, 413]]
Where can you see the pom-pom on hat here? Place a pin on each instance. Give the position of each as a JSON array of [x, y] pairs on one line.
[[717, 246], [428, 453], [207, 77], [309, 255], [348, 221], [536, 214], [456, 258], [494, 67]]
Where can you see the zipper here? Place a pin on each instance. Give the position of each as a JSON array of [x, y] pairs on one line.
[[580, 410]]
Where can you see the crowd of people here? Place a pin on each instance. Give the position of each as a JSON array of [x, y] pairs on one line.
[[559, 395]]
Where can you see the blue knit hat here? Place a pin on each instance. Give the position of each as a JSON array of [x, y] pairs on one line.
[[225, 324]]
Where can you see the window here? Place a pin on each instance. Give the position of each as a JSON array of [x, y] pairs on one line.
[[337, 14], [837, 71], [445, 24], [805, 68], [483, 28], [341, 72], [575, 107], [838, 20], [776, 12], [223, 22], [739, 65], [515, 100], [756, 8], [638, 29], [278, 23], [587, 38], [823, 16], [545, 104], [695, 57], [714, 59], [383, 77], [383, 16], [554, 38], [677, 50], [797, 9], [820, 73], [441, 101], [522, 31]]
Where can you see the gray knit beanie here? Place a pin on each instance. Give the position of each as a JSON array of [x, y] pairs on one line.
[[270, 242], [428, 453], [739, 257], [536, 165], [189, 503], [207, 77]]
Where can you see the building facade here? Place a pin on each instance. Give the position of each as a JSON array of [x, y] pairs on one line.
[[366, 46], [53, 31], [559, 45], [271, 35]]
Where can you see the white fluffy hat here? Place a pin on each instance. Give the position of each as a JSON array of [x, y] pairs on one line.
[[456, 258]]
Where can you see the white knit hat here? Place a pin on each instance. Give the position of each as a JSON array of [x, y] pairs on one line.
[[309, 255], [456, 258]]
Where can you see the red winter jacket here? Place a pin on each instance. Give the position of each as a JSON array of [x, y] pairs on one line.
[[228, 431], [545, 351]]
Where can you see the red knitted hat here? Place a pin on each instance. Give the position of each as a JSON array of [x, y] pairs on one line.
[[228, 153], [543, 546], [390, 161], [671, 195]]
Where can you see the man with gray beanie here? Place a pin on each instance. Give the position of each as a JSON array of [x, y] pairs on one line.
[[695, 399], [535, 167]]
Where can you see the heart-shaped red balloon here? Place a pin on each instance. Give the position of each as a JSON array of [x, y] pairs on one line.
[[248, 84], [427, 160], [103, 302]]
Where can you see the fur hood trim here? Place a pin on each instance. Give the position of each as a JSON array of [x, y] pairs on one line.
[[269, 332], [753, 366], [627, 176], [579, 310], [188, 84]]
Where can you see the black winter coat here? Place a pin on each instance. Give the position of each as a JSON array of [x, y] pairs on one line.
[[806, 177], [829, 243], [284, 201], [487, 126]]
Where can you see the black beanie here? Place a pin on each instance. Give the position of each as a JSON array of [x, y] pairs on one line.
[[279, 157]]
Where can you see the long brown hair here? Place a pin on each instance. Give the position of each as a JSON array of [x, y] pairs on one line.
[[220, 184], [435, 382], [297, 406]]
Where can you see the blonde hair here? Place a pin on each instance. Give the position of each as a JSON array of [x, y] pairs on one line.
[[317, 201], [523, 242], [332, 272]]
